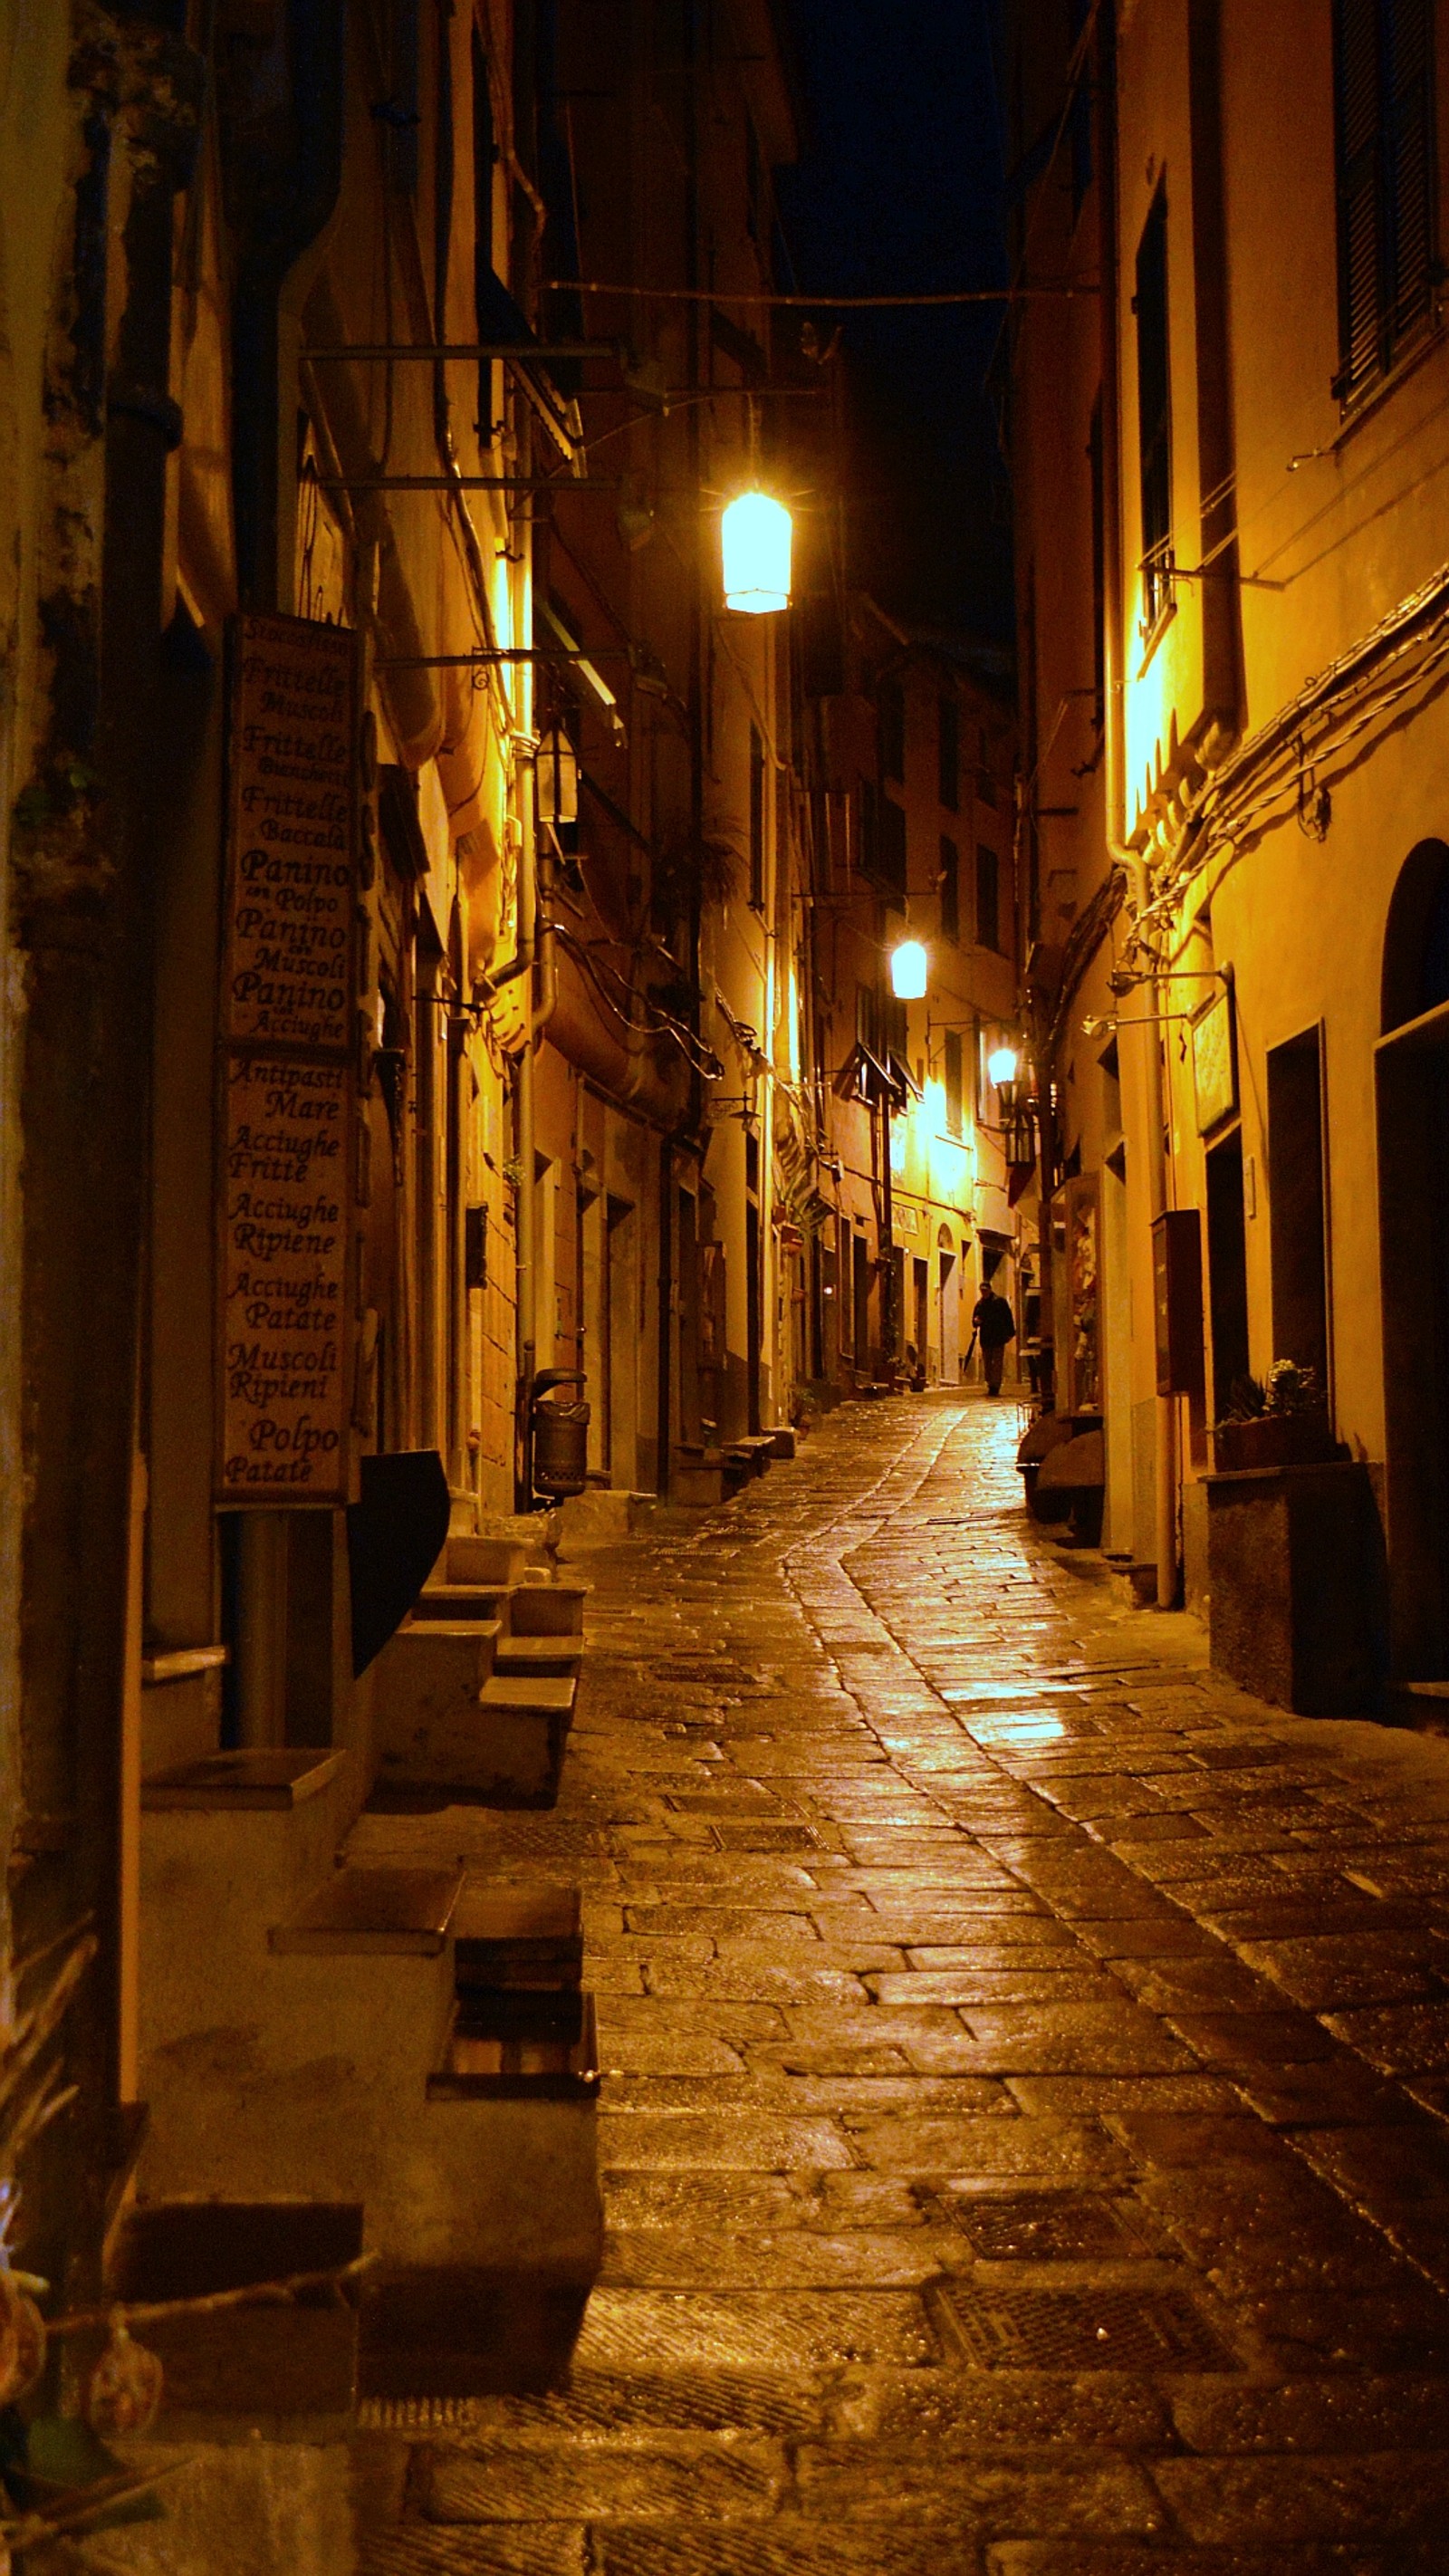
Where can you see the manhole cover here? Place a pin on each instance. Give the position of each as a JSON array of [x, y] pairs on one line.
[[1045, 2227], [1108, 2329]]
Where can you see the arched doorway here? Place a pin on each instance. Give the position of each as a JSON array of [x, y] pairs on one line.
[[1412, 1087]]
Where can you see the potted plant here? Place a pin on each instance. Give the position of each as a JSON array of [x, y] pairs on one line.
[[1280, 1422]]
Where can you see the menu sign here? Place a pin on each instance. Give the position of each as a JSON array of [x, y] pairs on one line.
[[284, 1287], [293, 876], [287, 1146]]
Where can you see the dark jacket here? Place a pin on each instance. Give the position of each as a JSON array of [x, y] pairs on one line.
[[993, 1320]]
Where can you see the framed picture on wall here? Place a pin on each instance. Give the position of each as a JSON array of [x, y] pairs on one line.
[[1215, 1061]]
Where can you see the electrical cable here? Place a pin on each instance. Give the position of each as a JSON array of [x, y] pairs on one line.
[[814, 303]]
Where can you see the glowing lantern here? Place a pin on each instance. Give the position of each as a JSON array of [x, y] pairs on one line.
[[1001, 1065], [755, 534], [909, 966], [556, 768]]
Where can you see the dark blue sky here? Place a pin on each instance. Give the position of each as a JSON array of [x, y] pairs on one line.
[[898, 189]]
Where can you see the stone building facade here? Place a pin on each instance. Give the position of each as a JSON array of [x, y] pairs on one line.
[[1227, 385]]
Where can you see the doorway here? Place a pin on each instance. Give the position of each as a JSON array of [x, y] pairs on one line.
[[860, 1302], [1298, 1191], [950, 1310], [622, 1342], [753, 1314], [921, 1316], [1227, 1269], [1412, 1098]]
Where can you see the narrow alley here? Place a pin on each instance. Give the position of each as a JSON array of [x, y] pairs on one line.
[[1024, 2059]]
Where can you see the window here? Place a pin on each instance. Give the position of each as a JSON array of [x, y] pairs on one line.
[[867, 1017], [985, 783], [950, 888], [988, 899], [891, 728], [1298, 1204], [892, 861], [757, 818], [1387, 268], [954, 1091], [948, 752], [1154, 414], [869, 827]]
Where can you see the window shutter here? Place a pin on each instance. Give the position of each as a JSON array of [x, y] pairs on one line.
[[1384, 108], [954, 1087], [1409, 173]]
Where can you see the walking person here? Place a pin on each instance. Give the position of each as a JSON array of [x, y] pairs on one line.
[[995, 1325]]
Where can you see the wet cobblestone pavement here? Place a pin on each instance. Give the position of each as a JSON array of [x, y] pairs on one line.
[[1026, 2066]]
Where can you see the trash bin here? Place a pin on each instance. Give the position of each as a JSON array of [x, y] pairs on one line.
[[560, 1435]]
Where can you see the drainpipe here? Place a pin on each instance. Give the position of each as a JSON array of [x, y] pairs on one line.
[[1115, 764]]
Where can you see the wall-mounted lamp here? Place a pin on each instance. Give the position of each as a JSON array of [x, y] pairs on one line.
[[556, 768], [910, 967], [1003, 1065], [755, 539]]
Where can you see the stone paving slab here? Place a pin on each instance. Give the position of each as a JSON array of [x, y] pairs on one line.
[[979, 1977]]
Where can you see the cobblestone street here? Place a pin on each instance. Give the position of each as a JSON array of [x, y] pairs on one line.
[[1025, 2067]]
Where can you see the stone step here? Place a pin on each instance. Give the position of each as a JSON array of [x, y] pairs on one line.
[[386, 1913], [548, 1609], [469, 1604], [483, 2064], [517, 1939], [502, 1743], [425, 1696], [538, 1694], [558, 1656], [297, 2362], [493, 1562], [249, 1778]]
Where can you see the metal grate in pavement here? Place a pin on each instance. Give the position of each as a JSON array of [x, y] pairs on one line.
[[1047, 2227], [720, 2401], [1105, 2329]]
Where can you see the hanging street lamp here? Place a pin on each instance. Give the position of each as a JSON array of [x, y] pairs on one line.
[[910, 966], [755, 539], [1018, 1139]]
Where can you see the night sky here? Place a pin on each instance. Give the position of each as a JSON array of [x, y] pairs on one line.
[[899, 188]]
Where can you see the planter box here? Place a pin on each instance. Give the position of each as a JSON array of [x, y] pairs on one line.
[[1274, 1440], [1295, 1573]]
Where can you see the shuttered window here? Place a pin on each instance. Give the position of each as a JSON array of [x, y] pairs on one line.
[[988, 898], [955, 1094], [1154, 414], [950, 889], [1387, 248]]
